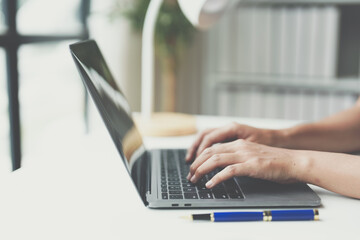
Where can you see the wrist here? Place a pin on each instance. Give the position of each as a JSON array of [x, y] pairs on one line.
[[278, 138], [301, 165]]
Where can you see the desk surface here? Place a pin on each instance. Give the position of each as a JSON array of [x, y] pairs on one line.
[[79, 189]]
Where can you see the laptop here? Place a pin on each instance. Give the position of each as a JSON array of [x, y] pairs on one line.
[[159, 175]]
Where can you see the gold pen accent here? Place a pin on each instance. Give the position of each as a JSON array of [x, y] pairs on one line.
[[267, 216], [212, 218], [316, 215]]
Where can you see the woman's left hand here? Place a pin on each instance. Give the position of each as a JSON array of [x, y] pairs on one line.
[[244, 158]]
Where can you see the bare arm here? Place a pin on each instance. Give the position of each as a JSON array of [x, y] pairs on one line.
[[336, 172], [338, 133]]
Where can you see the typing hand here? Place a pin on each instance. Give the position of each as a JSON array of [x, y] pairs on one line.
[[244, 158], [229, 133]]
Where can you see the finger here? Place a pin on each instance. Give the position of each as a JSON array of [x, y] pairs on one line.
[[217, 160], [217, 136], [207, 153], [199, 160], [191, 151], [238, 169]]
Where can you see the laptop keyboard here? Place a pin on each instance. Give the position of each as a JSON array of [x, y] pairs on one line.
[[174, 184]]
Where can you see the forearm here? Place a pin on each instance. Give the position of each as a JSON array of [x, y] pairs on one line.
[[333, 171], [338, 133]]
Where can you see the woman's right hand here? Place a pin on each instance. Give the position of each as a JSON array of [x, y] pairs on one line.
[[228, 133]]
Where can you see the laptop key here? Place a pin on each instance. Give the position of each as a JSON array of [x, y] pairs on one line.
[[173, 179], [202, 181], [173, 183], [204, 191], [205, 195], [188, 185], [219, 191], [176, 197], [234, 191], [174, 188], [189, 189], [221, 196], [175, 192], [236, 196], [202, 188], [164, 196], [190, 196], [163, 189], [219, 187], [231, 189]]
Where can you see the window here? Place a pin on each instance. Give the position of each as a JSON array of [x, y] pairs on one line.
[[44, 17], [50, 94], [35, 35]]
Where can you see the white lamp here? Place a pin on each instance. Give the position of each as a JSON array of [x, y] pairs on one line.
[[202, 14]]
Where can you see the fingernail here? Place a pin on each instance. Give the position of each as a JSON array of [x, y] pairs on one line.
[[188, 176], [193, 179], [209, 184]]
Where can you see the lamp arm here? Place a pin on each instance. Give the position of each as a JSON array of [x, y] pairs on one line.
[[148, 58]]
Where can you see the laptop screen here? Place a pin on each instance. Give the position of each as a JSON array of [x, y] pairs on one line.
[[114, 109]]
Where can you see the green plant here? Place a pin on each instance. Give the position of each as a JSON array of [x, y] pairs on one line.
[[173, 31]]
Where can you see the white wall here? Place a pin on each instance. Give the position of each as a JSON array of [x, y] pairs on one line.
[[276, 61]]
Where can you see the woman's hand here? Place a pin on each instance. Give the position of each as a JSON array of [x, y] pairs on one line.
[[245, 158], [229, 133]]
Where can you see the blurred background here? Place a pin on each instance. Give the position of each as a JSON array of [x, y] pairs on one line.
[[295, 60]]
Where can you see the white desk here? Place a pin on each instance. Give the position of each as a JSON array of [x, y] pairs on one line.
[[81, 191]]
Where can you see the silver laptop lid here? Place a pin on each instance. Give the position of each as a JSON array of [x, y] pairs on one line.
[[114, 110]]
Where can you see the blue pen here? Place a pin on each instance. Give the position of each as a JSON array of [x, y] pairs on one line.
[[273, 215]]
